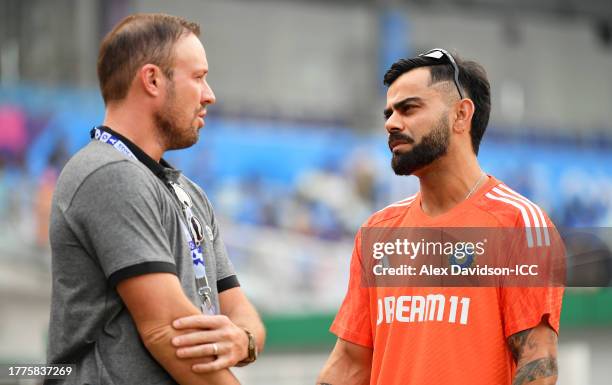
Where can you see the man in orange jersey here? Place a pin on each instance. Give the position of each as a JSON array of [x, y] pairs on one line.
[[436, 114]]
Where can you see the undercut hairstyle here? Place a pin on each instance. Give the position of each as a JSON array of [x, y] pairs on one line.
[[139, 39], [472, 80]]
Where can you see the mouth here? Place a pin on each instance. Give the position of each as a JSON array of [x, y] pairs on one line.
[[200, 118], [396, 144]]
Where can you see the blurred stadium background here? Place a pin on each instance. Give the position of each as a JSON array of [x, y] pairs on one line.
[[294, 154]]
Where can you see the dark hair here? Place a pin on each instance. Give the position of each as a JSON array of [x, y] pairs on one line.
[[137, 40], [473, 81]]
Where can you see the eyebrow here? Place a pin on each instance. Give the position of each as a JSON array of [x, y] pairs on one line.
[[402, 103]]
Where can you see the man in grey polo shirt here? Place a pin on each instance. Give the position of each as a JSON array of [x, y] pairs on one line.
[[143, 289]]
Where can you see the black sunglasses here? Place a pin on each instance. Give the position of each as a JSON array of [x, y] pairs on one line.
[[438, 54]]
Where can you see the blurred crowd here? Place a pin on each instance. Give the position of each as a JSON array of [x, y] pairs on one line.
[[328, 197], [291, 197]]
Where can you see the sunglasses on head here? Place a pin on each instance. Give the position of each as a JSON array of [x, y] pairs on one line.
[[441, 54]]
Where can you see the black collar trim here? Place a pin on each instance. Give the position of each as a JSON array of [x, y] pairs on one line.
[[156, 168]]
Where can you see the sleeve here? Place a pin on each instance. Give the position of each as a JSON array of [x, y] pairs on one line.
[[226, 275], [116, 215], [353, 321], [524, 307]]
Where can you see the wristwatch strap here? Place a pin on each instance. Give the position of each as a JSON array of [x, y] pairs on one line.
[[252, 356]]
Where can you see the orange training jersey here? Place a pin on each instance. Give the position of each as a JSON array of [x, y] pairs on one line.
[[465, 342]]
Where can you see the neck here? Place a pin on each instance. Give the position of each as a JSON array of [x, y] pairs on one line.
[[443, 185], [136, 125]]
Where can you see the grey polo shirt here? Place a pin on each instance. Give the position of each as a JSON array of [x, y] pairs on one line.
[[113, 218]]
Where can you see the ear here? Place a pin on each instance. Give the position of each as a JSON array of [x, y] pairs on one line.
[[464, 110], [151, 79]]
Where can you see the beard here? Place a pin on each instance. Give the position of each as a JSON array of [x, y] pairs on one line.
[[431, 147], [173, 133]]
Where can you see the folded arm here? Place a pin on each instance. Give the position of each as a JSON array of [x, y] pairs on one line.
[[235, 305], [226, 331], [154, 301]]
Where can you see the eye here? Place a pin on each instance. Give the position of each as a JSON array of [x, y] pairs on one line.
[[408, 108]]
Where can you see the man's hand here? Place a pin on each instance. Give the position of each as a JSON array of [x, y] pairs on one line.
[[215, 336]]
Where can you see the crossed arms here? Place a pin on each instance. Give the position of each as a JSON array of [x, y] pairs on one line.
[[156, 300]]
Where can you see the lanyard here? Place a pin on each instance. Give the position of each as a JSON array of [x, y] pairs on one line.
[[106, 137], [195, 247]]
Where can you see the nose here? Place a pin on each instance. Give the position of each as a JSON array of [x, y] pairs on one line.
[[208, 96], [393, 124]]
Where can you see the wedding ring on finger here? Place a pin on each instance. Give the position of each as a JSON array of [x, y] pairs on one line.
[[215, 349]]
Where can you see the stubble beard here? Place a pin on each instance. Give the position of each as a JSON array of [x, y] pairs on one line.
[[431, 147], [172, 134]]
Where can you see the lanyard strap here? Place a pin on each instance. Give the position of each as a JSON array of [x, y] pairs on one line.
[[204, 290], [106, 137], [197, 257]]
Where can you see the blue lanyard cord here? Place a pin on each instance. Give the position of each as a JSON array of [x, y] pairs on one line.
[[195, 247], [111, 139]]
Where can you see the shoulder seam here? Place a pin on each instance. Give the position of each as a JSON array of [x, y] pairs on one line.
[[407, 202], [382, 220], [490, 214], [404, 202], [499, 222], [525, 210]]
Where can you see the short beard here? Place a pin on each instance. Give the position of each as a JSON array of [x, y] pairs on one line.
[[433, 146], [170, 134]]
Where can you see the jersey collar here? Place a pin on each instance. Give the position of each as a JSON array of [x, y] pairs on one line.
[[159, 169]]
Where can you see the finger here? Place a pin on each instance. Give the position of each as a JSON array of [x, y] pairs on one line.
[[205, 350], [200, 321], [223, 362], [196, 338]]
